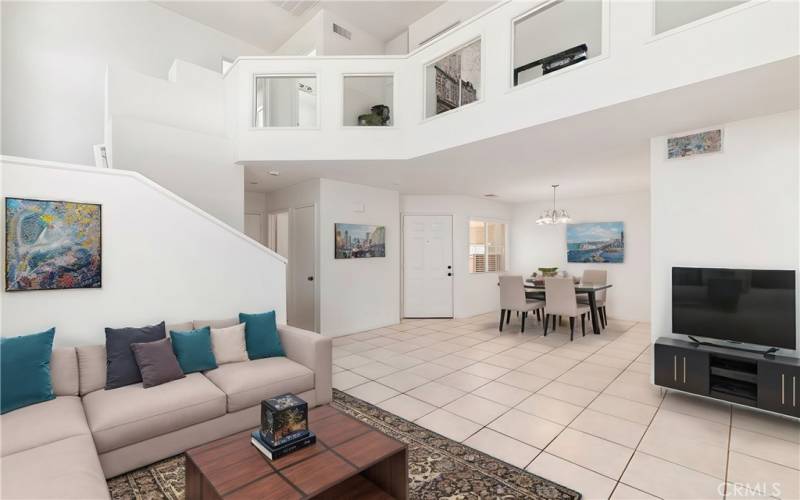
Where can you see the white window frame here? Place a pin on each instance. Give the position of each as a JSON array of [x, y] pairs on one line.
[[486, 223]]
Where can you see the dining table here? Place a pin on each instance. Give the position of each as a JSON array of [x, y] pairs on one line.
[[589, 289]]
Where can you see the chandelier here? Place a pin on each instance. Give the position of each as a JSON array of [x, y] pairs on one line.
[[554, 216]]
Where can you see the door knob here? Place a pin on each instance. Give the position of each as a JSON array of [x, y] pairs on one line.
[[310, 278], [449, 274], [449, 267]]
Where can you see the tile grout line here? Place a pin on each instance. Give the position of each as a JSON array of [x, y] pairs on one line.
[[581, 412], [635, 450], [540, 354], [728, 454]]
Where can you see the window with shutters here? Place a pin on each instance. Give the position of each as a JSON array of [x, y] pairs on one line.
[[487, 246]]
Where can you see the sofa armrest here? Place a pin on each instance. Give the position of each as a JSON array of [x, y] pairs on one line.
[[313, 351]]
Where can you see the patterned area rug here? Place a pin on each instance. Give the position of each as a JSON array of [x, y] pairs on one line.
[[439, 468]]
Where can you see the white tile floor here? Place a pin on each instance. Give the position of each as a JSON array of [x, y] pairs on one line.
[[581, 413]]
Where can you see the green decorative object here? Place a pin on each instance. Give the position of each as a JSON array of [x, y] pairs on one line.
[[379, 117], [548, 271]]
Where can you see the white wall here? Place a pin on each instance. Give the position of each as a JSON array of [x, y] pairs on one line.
[[163, 259], [738, 208], [305, 40], [397, 45], [173, 131], [534, 246], [473, 293], [358, 294], [360, 43], [256, 203], [54, 58]]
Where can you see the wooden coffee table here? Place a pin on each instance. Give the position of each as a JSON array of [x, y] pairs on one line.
[[349, 460]]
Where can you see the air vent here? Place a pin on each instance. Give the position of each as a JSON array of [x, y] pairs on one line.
[[341, 31], [295, 7]]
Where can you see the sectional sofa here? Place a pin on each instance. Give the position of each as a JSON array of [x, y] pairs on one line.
[[68, 446]]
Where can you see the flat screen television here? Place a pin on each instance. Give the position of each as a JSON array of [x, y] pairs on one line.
[[740, 305]]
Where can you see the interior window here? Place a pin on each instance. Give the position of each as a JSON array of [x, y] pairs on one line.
[[487, 246], [285, 101], [454, 80]]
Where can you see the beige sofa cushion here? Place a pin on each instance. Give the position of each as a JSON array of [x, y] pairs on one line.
[[130, 414], [64, 371], [64, 469], [228, 344], [247, 383], [91, 367], [216, 323], [42, 423], [179, 327]]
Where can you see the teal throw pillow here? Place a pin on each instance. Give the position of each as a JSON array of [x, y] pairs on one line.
[[25, 370], [261, 335], [193, 350]]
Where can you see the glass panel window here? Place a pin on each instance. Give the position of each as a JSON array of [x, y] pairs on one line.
[[671, 14], [487, 246], [368, 101], [556, 36], [454, 80], [285, 101]]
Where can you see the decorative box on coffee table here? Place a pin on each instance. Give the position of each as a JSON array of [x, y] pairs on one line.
[[349, 460], [283, 419]]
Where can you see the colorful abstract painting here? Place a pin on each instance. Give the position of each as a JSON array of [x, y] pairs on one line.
[[359, 241], [596, 242], [52, 245], [709, 141]]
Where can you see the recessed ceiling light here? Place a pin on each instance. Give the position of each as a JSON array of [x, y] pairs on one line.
[[490, 195], [274, 173]]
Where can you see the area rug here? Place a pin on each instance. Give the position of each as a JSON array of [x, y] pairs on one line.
[[439, 468]]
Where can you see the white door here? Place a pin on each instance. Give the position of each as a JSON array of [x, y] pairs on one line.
[[428, 266], [302, 255], [252, 227]]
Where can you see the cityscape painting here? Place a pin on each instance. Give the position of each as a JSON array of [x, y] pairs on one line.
[[52, 245], [596, 242], [709, 141], [359, 241]]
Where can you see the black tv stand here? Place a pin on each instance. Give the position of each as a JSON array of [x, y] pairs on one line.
[[738, 375], [769, 353]]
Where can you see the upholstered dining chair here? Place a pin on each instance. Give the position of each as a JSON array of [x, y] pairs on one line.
[[512, 298], [596, 277], [562, 301]]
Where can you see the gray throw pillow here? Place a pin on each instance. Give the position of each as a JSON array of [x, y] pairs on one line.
[[157, 363], [121, 369]]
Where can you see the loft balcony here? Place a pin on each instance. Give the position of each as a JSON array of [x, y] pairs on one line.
[[515, 66]]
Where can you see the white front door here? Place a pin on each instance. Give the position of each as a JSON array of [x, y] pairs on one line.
[[302, 232], [428, 266]]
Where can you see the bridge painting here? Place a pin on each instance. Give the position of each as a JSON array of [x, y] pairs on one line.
[[596, 242]]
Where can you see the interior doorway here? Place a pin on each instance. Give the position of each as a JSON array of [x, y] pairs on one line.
[[428, 266], [302, 275], [278, 238]]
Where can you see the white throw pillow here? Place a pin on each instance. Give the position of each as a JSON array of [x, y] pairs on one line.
[[228, 344]]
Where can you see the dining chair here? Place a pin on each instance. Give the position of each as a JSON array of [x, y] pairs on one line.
[[562, 301], [512, 298], [596, 277]]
